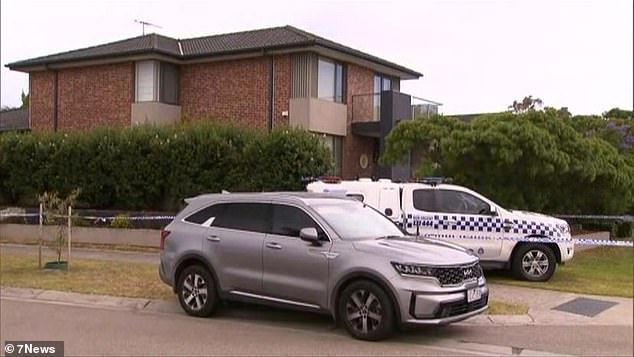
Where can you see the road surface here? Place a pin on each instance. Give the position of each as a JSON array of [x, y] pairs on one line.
[[240, 329]]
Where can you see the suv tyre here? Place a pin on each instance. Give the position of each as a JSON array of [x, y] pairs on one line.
[[366, 311], [196, 291]]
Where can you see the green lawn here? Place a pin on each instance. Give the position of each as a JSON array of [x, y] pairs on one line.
[[598, 271], [101, 277], [137, 280]]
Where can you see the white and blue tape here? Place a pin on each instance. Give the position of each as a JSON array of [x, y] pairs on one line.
[[410, 221]]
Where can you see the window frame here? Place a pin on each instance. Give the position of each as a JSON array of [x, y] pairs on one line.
[[307, 212], [268, 216], [158, 84], [437, 200], [336, 77], [433, 197], [202, 208]]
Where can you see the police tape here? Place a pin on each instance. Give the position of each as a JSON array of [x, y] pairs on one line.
[[91, 218], [626, 218], [575, 241]]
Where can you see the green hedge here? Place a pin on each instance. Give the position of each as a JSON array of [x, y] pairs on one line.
[[155, 168]]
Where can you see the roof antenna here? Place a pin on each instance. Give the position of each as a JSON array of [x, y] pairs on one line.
[[145, 23]]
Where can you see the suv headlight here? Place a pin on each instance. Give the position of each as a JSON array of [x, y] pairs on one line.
[[413, 269], [563, 227]]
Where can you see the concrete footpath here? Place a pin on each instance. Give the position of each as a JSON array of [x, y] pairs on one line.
[[541, 303]]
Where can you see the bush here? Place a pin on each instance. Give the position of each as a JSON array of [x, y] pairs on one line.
[[155, 167], [534, 161]]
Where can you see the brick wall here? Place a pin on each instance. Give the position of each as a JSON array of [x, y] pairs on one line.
[[228, 91], [359, 81], [96, 96], [282, 84], [41, 100], [88, 97]]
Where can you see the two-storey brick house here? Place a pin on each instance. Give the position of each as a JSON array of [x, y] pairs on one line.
[[263, 79]]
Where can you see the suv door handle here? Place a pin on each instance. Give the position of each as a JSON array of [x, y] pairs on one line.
[[452, 223], [273, 245], [508, 225], [213, 238]]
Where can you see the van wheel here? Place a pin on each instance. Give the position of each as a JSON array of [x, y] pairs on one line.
[[366, 311], [197, 291], [534, 262]]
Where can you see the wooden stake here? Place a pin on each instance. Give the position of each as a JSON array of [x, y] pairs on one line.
[[39, 254], [70, 220]]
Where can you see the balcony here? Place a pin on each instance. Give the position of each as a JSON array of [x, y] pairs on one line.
[[376, 114], [367, 107], [318, 115]]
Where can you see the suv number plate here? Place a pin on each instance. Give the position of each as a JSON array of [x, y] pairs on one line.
[[474, 294]]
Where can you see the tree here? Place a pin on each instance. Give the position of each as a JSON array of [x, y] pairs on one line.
[[534, 160], [25, 100], [616, 113], [526, 104]]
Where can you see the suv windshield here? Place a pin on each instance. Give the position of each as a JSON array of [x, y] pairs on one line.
[[354, 220]]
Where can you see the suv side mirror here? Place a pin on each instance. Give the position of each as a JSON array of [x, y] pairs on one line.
[[388, 212], [309, 235]]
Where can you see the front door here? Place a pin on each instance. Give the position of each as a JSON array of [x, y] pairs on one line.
[[293, 269]]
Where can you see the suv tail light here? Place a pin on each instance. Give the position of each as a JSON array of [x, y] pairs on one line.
[[164, 235]]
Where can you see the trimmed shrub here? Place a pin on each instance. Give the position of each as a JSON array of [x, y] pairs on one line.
[[151, 167]]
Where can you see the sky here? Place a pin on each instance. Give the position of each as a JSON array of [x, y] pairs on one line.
[[476, 56]]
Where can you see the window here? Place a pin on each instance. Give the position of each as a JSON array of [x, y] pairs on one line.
[[330, 80], [460, 202], [156, 81], [335, 145], [354, 220], [146, 81], [169, 83], [288, 221], [206, 216], [424, 200], [381, 83], [253, 217]]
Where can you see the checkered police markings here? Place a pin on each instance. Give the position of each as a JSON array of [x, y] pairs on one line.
[[576, 241], [519, 230]]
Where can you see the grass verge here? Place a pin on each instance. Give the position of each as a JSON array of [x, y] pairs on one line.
[[598, 271], [101, 277], [504, 308], [128, 279]]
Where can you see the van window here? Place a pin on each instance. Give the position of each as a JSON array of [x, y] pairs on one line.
[[449, 201], [424, 200], [253, 217]]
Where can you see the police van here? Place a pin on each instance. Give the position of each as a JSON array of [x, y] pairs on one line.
[[529, 244]]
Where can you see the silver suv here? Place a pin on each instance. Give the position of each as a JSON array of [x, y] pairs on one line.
[[319, 253]]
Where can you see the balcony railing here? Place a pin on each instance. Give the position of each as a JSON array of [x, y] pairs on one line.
[[367, 107]]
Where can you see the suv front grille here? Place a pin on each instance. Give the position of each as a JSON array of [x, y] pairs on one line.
[[455, 276], [460, 307]]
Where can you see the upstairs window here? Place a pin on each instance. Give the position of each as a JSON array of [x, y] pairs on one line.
[[330, 80], [156, 82]]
